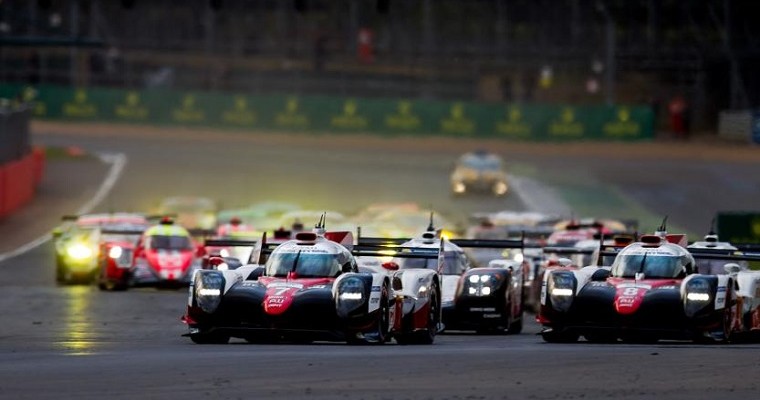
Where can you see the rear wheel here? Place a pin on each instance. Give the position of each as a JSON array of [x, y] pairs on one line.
[[516, 325]]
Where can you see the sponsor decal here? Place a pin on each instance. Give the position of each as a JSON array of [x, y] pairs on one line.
[[622, 126], [292, 117], [513, 125]]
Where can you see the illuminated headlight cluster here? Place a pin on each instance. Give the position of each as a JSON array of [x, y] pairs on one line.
[[459, 187], [351, 295], [500, 188], [561, 290], [79, 251], [115, 252], [208, 290], [481, 285], [697, 295]]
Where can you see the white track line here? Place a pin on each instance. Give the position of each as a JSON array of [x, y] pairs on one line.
[[117, 161]]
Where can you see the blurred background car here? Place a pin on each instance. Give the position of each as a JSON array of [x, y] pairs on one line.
[[479, 172]]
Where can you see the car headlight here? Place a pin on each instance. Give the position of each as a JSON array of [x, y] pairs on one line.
[[500, 188], [697, 295], [561, 290], [224, 253], [351, 295], [79, 251], [482, 284], [208, 290], [115, 252], [459, 187], [518, 258]]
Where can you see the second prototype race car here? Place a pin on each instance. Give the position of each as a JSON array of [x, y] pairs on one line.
[[165, 255], [311, 288], [651, 292], [484, 299]]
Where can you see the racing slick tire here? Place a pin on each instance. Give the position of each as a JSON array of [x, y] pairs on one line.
[[209, 338], [426, 336], [516, 325], [382, 332], [560, 336]]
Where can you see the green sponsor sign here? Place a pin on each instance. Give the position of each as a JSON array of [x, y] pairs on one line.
[[738, 227], [528, 122]]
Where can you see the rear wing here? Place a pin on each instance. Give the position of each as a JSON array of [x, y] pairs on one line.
[[375, 242], [723, 254], [117, 231]]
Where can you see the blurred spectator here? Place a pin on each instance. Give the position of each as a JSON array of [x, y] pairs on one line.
[[320, 51], [677, 109]]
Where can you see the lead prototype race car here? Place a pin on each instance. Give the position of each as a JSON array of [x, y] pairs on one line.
[[652, 291], [310, 288]]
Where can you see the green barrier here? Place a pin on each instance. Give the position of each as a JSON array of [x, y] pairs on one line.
[[738, 226], [528, 122]]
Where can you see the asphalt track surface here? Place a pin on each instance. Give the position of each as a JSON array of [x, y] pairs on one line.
[[76, 342]]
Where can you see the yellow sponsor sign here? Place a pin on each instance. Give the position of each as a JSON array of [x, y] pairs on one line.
[[131, 108], [188, 111], [291, 117], [80, 107], [349, 119], [239, 114], [403, 119], [457, 122], [622, 126], [513, 125], [566, 125]]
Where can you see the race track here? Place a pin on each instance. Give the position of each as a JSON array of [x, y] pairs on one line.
[[76, 342]]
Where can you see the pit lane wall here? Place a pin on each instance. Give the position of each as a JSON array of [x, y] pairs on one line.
[[531, 122], [21, 166]]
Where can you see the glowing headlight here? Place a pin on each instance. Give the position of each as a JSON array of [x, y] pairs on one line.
[[209, 292], [79, 251], [518, 257], [115, 252], [224, 253], [485, 290], [474, 278], [500, 188], [351, 296], [562, 292], [698, 297], [459, 187]]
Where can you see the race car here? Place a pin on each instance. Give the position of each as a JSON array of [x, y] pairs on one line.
[[483, 299], [76, 243], [116, 250], [311, 288], [165, 255], [650, 292], [479, 171]]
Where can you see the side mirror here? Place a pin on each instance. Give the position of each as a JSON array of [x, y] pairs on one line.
[[390, 266], [732, 268], [565, 262]]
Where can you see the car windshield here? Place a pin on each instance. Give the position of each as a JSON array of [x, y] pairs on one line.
[[483, 163], [160, 242], [309, 265], [452, 264], [653, 266]]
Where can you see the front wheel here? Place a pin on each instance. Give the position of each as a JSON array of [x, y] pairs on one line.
[[427, 335]]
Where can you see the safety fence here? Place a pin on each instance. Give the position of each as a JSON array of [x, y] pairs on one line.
[[335, 114], [21, 166]]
